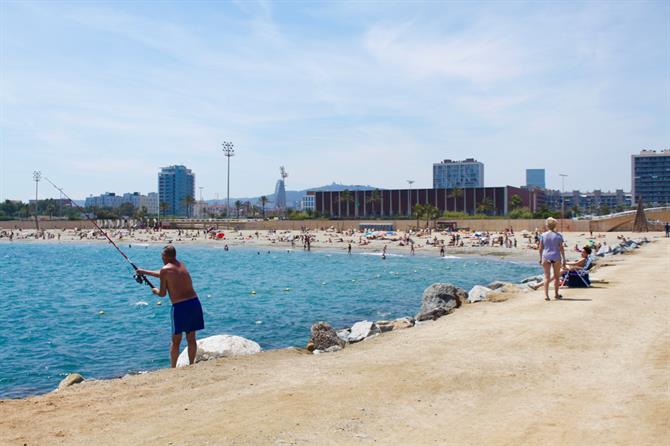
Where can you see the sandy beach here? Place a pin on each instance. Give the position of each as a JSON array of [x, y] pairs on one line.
[[591, 369], [425, 243]]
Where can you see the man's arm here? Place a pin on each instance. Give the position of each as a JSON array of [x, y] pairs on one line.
[[163, 286], [147, 272]]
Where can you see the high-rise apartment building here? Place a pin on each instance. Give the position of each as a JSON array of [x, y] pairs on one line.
[[650, 177], [176, 185], [458, 174], [535, 178]]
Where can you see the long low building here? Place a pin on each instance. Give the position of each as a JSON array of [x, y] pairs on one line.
[[400, 202]]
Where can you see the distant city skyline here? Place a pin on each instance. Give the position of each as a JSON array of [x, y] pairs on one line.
[[98, 96]]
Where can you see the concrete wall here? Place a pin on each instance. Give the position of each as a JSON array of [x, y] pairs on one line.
[[46, 224]]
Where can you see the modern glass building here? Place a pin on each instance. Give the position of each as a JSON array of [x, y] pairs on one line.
[[280, 195], [458, 174], [650, 177], [535, 178], [176, 184]]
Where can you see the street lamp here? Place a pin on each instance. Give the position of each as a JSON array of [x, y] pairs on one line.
[[409, 198], [562, 175], [228, 151], [37, 176]]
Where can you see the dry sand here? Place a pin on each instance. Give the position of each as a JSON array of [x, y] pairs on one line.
[[592, 369]]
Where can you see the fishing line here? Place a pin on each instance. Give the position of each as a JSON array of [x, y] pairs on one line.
[[139, 278]]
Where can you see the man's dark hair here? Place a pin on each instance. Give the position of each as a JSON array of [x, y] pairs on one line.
[[170, 252], [587, 249]]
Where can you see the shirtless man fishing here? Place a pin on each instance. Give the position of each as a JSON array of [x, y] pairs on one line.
[[186, 309]]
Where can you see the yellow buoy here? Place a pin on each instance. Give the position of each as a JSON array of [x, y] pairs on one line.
[[253, 291], [101, 312]]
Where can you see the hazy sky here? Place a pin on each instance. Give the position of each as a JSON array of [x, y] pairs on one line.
[[100, 95]]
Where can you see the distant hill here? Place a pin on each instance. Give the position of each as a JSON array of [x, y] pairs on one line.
[[293, 197]]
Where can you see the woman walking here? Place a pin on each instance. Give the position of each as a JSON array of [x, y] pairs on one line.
[[552, 256]]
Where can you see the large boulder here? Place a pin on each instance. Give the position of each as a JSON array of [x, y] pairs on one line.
[[220, 346], [70, 380], [361, 330], [440, 299], [324, 336]]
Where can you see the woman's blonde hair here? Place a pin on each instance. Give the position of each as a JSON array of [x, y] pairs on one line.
[[551, 223]]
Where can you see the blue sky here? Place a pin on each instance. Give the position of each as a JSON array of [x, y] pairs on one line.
[[100, 95]]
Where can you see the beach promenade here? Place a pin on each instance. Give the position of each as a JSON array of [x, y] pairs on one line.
[[592, 369]]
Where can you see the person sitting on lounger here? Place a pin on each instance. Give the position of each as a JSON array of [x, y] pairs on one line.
[[579, 264]]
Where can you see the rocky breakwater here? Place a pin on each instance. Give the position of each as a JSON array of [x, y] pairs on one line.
[[439, 300], [220, 346]]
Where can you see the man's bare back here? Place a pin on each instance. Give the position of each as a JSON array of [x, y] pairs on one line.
[[177, 281]]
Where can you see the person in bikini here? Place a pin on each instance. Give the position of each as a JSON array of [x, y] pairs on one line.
[[186, 310], [552, 257]]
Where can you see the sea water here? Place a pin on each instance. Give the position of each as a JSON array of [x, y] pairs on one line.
[[76, 308]]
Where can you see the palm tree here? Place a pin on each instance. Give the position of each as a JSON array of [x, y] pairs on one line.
[[516, 201], [419, 211], [457, 193], [375, 197], [162, 208], [188, 201], [50, 209], [485, 206], [238, 206], [264, 200], [347, 197], [431, 213]]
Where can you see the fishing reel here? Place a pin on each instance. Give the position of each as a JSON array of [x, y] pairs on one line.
[[139, 278]]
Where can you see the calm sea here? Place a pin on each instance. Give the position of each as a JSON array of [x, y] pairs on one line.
[[53, 295]]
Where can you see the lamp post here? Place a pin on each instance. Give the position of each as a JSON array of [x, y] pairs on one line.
[[37, 176], [562, 175], [409, 198], [228, 151]]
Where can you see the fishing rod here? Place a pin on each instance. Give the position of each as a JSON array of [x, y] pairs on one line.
[[139, 278]]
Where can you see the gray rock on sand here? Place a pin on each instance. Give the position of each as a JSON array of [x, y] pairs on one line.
[[70, 380], [495, 285], [440, 299], [324, 336], [479, 293], [538, 278], [220, 346], [361, 330], [344, 334], [397, 324]]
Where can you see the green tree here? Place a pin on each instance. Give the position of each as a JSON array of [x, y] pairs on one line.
[[516, 201], [419, 210], [375, 197], [485, 206], [431, 213], [163, 207], [456, 193], [125, 210], [264, 200], [238, 206], [347, 197], [188, 201]]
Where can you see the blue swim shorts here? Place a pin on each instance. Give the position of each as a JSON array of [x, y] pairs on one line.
[[187, 316]]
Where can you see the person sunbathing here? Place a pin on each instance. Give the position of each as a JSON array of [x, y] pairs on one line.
[[579, 264]]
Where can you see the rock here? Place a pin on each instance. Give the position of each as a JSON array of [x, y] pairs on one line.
[[361, 330], [397, 324], [440, 299], [310, 346], [344, 334], [323, 336], [494, 285], [220, 346], [70, 380], [478, 293], [333, 348], [538, 278]]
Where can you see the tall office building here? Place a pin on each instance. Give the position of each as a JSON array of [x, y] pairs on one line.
[[650, 177], [458, 174], [175, 184], [280, 195], [535, 178]]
